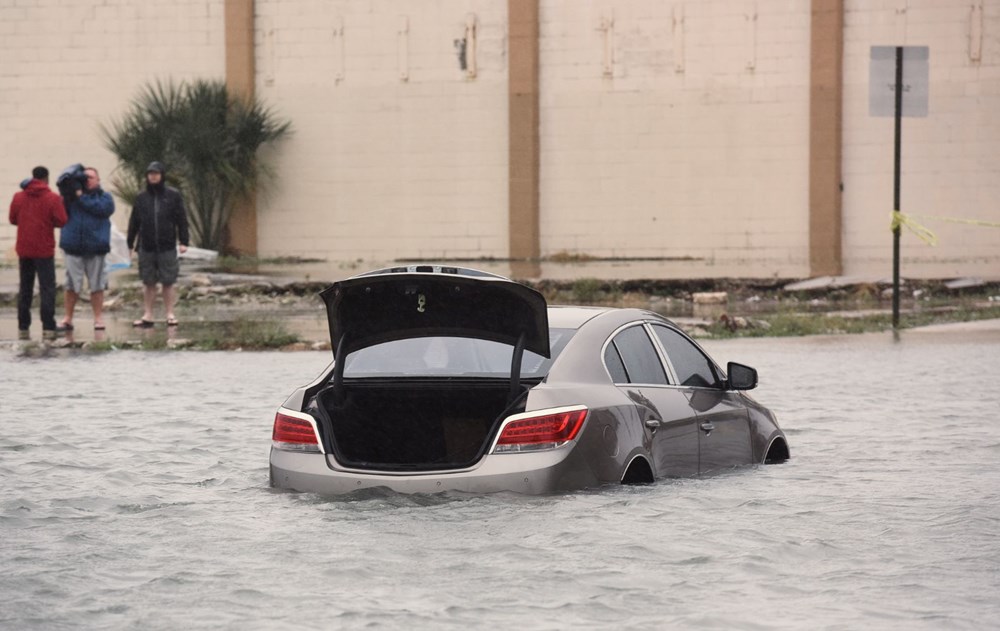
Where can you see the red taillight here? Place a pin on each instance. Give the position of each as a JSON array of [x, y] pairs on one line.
[[292, 432], [542, 431]]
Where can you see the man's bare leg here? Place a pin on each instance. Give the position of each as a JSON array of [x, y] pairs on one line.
[[169, 297], [148, 298], [69, 299], [97, 304]]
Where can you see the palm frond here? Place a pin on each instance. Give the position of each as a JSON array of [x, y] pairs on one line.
[[210, 142]]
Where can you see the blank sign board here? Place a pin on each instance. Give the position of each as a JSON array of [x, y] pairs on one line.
[[882, 81]]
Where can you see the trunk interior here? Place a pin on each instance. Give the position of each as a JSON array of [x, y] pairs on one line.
[[424, 425]]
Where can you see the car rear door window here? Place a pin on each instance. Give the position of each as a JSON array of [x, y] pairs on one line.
[[614, 363], [693, 368], [641, 362]]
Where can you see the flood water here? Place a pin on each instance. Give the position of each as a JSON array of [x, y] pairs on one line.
[[134, 495]]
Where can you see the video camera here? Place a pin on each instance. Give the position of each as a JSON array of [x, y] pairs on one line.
[[72, 179]]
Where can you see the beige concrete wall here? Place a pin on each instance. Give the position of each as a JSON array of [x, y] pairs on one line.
[[667, 128], [67, 66], [950, 165], [397, 152], [677, 129]]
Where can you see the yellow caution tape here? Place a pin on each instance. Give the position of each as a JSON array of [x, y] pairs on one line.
[[971, 222], [903, 220]]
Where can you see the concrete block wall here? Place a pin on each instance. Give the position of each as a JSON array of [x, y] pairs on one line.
[[677, 129], [397, 151], [68, 66], [668, 129], [950, 169]]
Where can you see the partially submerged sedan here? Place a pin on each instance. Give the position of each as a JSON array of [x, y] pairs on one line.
[[446, 379]]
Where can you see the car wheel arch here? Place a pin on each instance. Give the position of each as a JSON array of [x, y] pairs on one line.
[[777, 451], [638, 471]]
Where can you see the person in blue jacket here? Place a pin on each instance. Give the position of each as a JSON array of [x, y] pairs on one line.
[[85, 240]]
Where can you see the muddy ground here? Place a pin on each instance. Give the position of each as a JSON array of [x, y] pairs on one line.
[[704, 307]]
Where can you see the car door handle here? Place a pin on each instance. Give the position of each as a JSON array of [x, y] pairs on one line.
[[652, 424], [707, 427]]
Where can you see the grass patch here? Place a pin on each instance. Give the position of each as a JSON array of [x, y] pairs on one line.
[[249, 334], [100, 347], [584, 291], [799, 324], [243, 333], [570, 257], [587, 290], [154, 343], [250, 264]]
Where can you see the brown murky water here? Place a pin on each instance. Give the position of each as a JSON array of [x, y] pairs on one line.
[[134, 494]]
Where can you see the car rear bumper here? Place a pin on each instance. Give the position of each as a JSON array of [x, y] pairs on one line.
[[529, 473]]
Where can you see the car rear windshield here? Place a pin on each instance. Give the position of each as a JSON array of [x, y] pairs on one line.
[[451, 357]]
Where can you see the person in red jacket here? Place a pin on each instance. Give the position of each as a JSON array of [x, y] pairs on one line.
[[37, 212]]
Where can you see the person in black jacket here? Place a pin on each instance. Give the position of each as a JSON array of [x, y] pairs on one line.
[[157, 224]]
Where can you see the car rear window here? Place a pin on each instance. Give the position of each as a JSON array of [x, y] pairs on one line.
[[451, 357]]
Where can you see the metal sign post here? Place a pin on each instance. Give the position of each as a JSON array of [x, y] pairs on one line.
[[908, 91], [897, 159]]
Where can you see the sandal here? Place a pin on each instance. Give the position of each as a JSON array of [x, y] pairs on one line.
[[172, 322], [143, 323], [99, 326], [62, 327]]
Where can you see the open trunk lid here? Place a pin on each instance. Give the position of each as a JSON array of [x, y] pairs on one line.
[[424, 300]]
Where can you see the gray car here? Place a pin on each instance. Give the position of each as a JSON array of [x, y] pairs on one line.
[[451, 379]]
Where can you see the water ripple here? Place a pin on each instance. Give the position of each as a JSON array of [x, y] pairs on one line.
[[887, 516]]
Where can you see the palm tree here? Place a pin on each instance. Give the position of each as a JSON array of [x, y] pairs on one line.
[[207, 138]]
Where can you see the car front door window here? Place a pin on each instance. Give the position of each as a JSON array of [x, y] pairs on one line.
[[690, 364]]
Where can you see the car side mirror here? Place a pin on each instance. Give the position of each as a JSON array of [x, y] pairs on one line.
[[741, 377]]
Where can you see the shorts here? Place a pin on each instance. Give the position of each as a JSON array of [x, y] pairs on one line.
[[89, 267], [158, 267]]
